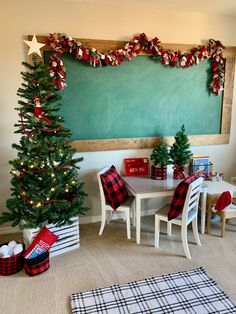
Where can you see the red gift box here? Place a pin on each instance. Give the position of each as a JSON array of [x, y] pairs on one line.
[[136, 166]]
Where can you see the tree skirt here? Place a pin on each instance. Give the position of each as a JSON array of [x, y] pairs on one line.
[[192, 291]]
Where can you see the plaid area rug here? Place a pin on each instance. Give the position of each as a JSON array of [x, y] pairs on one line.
[[192, 292]]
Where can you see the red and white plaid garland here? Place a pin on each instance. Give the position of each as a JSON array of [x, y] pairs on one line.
[[62, 42]]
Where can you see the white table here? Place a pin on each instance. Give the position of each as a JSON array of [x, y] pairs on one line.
[[143, 188]]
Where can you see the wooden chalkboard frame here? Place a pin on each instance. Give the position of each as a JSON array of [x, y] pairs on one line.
[[151, 142]]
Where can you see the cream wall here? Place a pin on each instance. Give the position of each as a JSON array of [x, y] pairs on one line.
[[120, 22]]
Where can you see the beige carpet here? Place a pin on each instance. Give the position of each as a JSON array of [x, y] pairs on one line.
[[111, 259]]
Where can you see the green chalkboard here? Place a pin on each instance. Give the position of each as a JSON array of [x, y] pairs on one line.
[[140, 98]]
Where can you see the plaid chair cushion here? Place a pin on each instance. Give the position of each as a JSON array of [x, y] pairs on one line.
[[37, 265], [11, 265], [114, 188], [178, 199]]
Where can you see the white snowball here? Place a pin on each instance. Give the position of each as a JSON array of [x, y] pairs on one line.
[[5, 250], [12, 244], [11, 249], [17, 249]]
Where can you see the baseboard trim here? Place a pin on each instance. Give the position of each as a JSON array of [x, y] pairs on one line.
[[94, 219], [82, 220], [9, 230], [88, 220]]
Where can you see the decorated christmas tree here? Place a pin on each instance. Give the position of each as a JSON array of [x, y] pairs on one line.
[[180, 153], [45, 184]]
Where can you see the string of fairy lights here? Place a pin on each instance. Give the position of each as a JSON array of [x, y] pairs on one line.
[[37, 203]]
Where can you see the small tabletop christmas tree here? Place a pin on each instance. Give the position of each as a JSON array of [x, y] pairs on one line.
[[160, 155], [161, 159], [45, 184], [180, 153]]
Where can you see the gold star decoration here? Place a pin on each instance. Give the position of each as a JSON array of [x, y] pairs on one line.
[[34, 46]]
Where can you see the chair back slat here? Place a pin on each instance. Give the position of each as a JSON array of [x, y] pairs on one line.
[[102, 195], [192, 199], [192, 205]]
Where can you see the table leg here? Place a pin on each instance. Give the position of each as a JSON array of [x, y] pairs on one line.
[[223, 225], [203, 210], [209, 203], [138, 218]]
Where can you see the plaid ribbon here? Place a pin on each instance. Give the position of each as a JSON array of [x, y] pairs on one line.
[[178, 172]]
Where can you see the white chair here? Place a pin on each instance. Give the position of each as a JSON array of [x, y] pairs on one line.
[[126, 207], [233, 180], [225, 214], [189, 214]]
